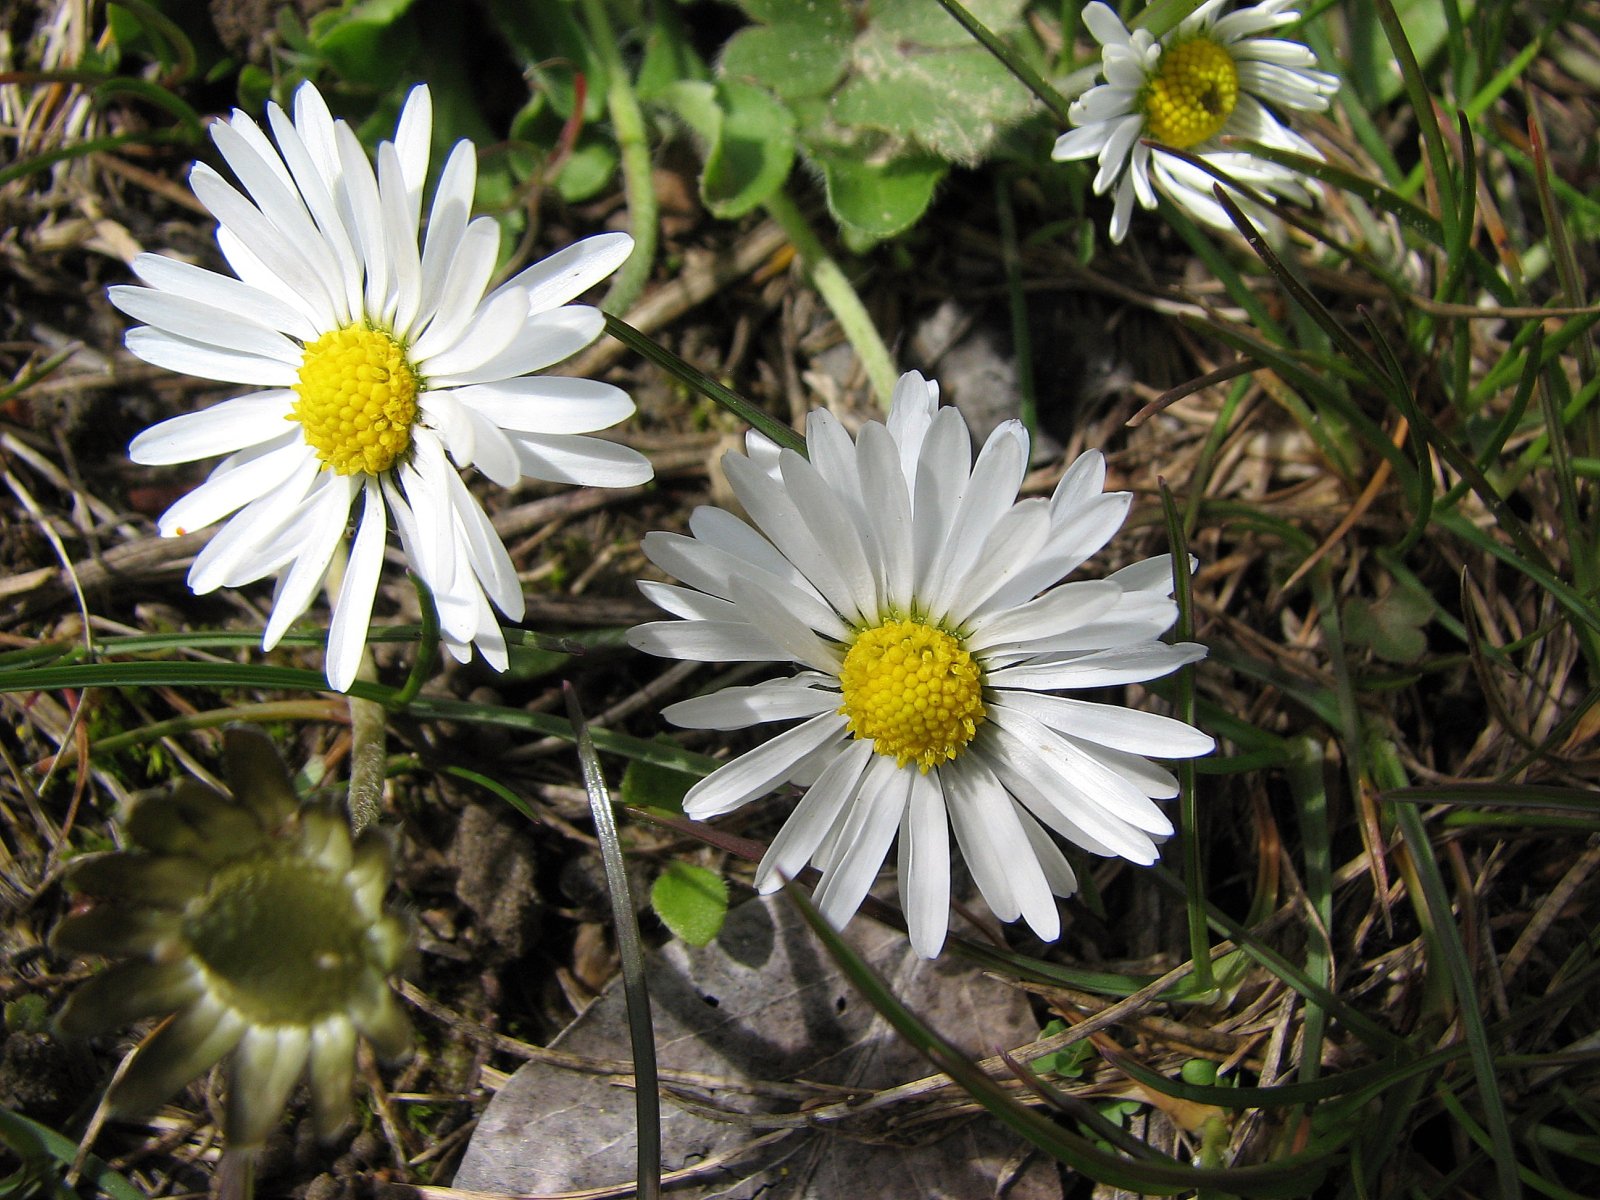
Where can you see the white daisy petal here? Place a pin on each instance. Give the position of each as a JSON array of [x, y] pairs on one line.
[[447, 225], [766, 611], [928, 608], [294, 265], [220, 429], [705, 641], [223, 293], [1105, 668], [548, 404], [1112, 725], [760, 770], [863, 841], [687, 603], [737, 707], [585, 461], [818, 814], [545, 339], [569, 273], [324, 517], [224, 364], [925, 864], [236, 482], [460, 289], [352, 611], [988, 831], [196, 321], [886, 506]]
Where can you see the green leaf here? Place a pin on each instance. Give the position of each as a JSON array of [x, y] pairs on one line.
[[646, 785], [668, 56], [908, 96], [752, 153], [691, 901], [879, 200], [908, 63], [367, 42], [793, 58], [590, 168], [1391, 626]]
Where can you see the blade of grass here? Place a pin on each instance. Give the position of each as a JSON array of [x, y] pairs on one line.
[[630, 950], [1422, 104], [1309, 789], [32, 1142], [1160, 1177], [1447, 942], [692, 376], [1189, 836]]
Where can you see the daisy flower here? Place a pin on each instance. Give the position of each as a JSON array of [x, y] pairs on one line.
[[381, 365], [1209, 78], [257, 926], [925, 605]]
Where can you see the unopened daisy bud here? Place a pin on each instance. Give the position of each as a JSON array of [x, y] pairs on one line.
[[256, 926]]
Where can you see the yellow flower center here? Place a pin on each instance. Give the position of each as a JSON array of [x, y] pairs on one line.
[[913, 690], [358, 400], [1193, 94]]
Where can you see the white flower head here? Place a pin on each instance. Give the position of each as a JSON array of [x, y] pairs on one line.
[[1210, 77], [924, 602], [381, 364]]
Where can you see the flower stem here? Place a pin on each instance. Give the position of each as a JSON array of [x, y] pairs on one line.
[[838, 294], [368, 720], [627, 125], [1011, 60], [704, 384], [427, 645], [1189, 820]]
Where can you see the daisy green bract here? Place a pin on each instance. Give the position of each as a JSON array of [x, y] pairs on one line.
[[926, 606], [1212, 76], [382, 363], [257, 926]]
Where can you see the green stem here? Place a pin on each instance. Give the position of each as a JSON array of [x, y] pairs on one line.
[[838, 294], [708, 387], [627, 125], [427, 645], [1021, 336], [1011, 60], [630, 954], [1189, 808], [367, 755]]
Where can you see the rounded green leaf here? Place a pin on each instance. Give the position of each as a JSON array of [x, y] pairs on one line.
[[646, 785], [691, 901], [880, 200], [791, 59], [752, 153]]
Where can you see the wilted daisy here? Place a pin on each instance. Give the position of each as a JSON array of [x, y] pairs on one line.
[[382, 363], [1210, 77], [926, 605], [256, 925]]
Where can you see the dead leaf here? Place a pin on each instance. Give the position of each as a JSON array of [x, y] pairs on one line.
[[764, 1002]]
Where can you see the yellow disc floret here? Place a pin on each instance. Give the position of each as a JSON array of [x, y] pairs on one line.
[[913, 690], [1192, 95], [358, 400]]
